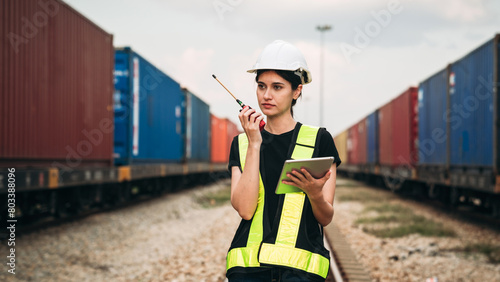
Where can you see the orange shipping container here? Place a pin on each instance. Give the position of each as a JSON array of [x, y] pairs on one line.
[[223, 132]]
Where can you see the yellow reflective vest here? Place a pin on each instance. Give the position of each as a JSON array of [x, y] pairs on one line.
[[280, 247]]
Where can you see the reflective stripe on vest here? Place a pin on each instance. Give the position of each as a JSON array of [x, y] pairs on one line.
[[283, 252], [248, 256]]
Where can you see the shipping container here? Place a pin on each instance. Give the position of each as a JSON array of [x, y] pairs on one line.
[[432, 124], [405, 128], [398, 130], [362, 142], [341, 144], [197, 128], [223, 132], [385, 134], [149, 112], [352, 144], [56, 87], [473, 110], [372, 138]]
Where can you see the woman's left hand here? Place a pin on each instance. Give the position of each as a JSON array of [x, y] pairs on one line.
[[304, 180]]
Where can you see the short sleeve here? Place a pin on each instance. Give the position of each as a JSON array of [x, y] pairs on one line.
[[327, 146], [234, 155]]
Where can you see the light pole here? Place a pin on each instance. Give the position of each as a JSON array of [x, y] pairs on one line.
[[321, 29]]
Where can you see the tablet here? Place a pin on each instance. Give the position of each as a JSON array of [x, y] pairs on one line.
[[316, 166]]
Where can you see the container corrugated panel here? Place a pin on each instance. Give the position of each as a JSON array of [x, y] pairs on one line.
[[472, 109], [385, 133], [56, 86], [197, 128], [352, 144], [432, 125], [372, 138], [362, 142], [149, 112], [405, 128], [218, 140], [341, 144], [223, 132]]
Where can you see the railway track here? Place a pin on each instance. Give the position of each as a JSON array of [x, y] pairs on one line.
[[343, 263]]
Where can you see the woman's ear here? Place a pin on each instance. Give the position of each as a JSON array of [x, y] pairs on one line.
[[297, 92]]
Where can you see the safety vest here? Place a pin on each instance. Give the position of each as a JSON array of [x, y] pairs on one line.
[[283, 251]]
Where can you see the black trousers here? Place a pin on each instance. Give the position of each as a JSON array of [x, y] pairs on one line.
[[274, 274]]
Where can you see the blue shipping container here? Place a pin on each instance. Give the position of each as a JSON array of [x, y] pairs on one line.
[[372, 138], [197, 128], [473, 80], [432, 121], [148, 107]]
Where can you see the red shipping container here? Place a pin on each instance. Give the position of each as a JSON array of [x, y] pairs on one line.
[[405, 115], [352, 144], [362, 142], [385, 115], [223, 132], [56, 86]]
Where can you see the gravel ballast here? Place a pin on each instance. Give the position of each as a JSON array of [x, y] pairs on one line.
[[174, 238]]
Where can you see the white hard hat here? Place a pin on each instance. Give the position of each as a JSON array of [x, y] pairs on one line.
[[281, 55]]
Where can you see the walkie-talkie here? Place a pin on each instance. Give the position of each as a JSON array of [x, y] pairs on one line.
[[261, 124]]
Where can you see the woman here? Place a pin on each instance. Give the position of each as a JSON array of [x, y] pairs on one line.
[[280, 237]]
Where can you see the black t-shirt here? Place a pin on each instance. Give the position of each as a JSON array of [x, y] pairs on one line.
[[273, 154]]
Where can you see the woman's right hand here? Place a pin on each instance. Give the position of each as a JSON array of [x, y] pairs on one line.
[[250, 120]]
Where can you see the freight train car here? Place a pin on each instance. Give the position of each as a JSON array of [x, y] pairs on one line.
[[433, 161], [446, 145], [56, 90], [59, 116], [398, 136], [474, 123], [405, 134], [56, 87]]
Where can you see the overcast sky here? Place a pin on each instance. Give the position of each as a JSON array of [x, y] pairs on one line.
[[375, 50]]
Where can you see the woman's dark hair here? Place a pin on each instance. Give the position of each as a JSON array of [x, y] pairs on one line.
[[289, 76]]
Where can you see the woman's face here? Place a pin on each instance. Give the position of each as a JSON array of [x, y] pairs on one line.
[[275, 94]]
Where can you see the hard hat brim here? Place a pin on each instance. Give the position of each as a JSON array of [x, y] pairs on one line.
[[309, 77]]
